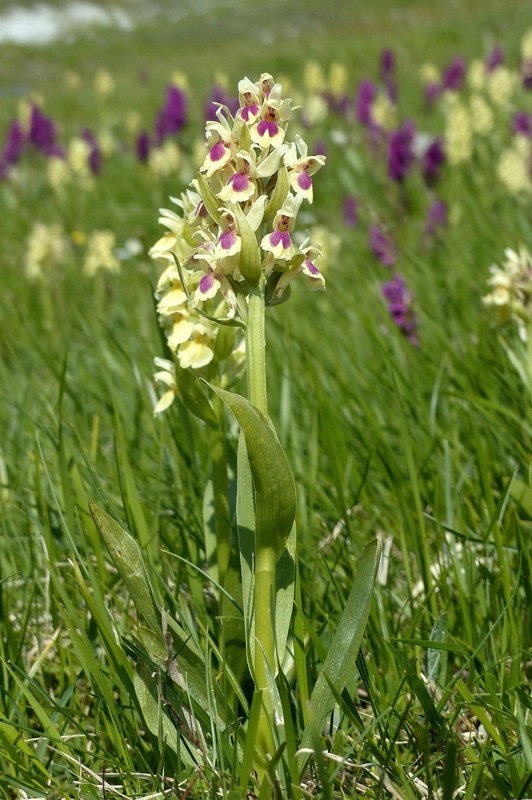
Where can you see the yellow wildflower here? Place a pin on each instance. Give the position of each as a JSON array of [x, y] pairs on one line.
[[58, 172], [180, 80], [78, 157], [458, 134], [476, 75], [513, 167], [165, 160], [337, 79], [429, 74], [384, 112], [481, 115], [501, 84], [526, 45], [100, 253], [104, 83], [313, 77], [46, 247]]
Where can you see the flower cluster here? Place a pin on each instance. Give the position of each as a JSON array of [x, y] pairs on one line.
[[235, 229], [400, 308], [511, 293]]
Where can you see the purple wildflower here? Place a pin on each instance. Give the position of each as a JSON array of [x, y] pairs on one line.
[[143, 146], [433, 159], [522, 124], [365, 96], [13, 148], [400, 150], [95, 155], [350, 212], [526, 72], [43, 134], [387, 73], [454, 75], [387, 65], [382, 246], [495, 59], [436, 216], [220, 96], [172, 116], [432, 92], [400, 308]]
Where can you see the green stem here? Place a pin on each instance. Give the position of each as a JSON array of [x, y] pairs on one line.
[[265, 557], [256, 350], [265, 561]]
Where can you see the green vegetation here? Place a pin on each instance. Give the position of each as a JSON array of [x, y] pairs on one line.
[[426, 447]]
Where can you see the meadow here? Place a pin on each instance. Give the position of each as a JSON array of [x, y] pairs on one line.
[[401, 396]]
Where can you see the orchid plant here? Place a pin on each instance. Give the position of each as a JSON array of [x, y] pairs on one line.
[[230, 252]]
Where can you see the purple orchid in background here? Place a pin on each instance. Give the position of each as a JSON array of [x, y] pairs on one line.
[[400, 150], [95, 155], [43, 134], [495, 59], [13, 148], [387, 73], [367, 91], [382, 246], [454, 74], [173, 115], [526, 73], [143, 146], [400, 308], [219, 96], [337, 104], [432, 91], [432, 161], [522, 124], [436, 217], [350, 212]]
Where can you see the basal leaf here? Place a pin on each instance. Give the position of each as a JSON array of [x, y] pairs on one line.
[[128, 560]]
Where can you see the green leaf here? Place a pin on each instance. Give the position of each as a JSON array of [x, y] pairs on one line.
[[250, 261], [286, 564], [285, 579], [186, 667], [157, 721], [245, 516], [435, 655], [273, 482], [278, 195], [210, 201], [341, 658], [522, 494], [191, 394], [127, 558]]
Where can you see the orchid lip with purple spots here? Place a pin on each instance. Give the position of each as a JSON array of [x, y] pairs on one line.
[[267, 126], [304, 181], [248, 111], [227, 240], [313, 270], [280, 236], [217, 151], [239, 181], [206, 283]]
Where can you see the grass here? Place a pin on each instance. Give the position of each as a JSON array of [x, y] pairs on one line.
[[426, 448]]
